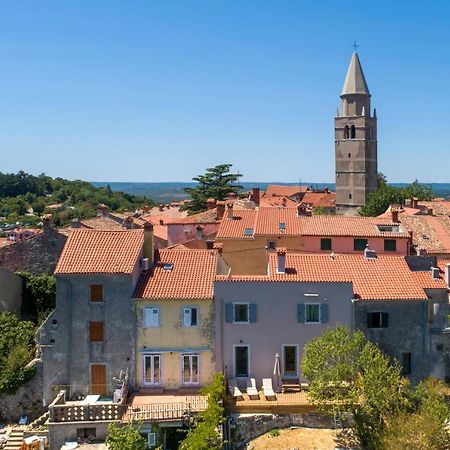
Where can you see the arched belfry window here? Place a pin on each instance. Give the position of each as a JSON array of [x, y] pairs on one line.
[[352, 132], [346, 132]]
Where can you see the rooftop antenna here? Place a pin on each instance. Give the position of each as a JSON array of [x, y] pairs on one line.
[[355, 46]]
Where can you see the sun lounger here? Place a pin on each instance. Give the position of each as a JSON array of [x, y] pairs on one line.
[[268, 389], [234, 390], [251, 389]]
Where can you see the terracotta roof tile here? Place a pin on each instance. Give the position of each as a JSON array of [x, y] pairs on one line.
[[277, 190], [99, 251], [191, 277], [383, 278], [209, 216], [320, 199], [239, 227]]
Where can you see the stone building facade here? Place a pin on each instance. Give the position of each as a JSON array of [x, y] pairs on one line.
[[356, 143]]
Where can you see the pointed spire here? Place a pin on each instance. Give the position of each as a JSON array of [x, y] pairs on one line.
[[355, 83]]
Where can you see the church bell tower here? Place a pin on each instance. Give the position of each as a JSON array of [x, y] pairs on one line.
[[356, 143]]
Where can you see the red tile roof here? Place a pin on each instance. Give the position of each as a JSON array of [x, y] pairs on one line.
[[284, 221], [191, 277], [209, 216], [383, 278], [243, 219], [100, 251], [320, 199], [277, 190]]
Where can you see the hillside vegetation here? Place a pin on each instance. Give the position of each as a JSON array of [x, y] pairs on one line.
[[24, 198]]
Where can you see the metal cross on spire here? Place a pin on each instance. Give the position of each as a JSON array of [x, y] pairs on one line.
[[355, 46]]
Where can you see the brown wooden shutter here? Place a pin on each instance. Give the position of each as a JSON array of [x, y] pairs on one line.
[[96, 332], [96, 294]]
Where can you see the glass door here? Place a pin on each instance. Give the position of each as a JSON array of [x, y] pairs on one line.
[[290, 361], [152, 370], [190, 369]]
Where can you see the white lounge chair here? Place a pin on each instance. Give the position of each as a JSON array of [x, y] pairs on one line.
[[268, 389], [251, 389], [233, 389]]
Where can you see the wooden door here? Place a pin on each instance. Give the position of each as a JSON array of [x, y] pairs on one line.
[[98, 379]]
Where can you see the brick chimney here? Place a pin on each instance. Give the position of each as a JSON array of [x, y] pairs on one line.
[[46, 223], [230, 210], [256, 196], [220, 209], [415, 203], [148, 242], [281, 259], [210, 203], [395, 214], [102, 210], [75, 223]]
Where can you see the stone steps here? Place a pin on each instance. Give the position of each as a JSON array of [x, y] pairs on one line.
[[15, 440]]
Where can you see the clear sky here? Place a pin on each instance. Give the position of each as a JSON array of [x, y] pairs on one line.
[[158, 90]]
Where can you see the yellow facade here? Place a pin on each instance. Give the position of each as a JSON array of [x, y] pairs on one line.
[[182, 355], [249, 256]]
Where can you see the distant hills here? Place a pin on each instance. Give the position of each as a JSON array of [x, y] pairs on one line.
[[171, 191]]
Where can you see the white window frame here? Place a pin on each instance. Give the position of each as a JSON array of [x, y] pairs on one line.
[[151, 439], [189, 325], [312, 304], [152, 356], [190, 355], [248, 361], [248, 312], [144, 313], [283, 360]]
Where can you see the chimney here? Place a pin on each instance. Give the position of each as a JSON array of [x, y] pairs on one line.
[[147, 209], [75, 223], [230, 210], [46, 222], [415, 203], [421, 252], [220, 209], [198, 233], [148, 242], [447, 275], [369, 254], [281, 259], [435, 273], [326, 190], [394, 214], [161, 221], [219, 247], [161, 207], [210, 203], [102, 210], [256, 196]]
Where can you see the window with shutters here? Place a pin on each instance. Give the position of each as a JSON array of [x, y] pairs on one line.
[[190, 316], [359, 244], [390, 245], [96, 293], [241, 312], [96, 332], [377, 320], [151, 317], [325, 244], [312, 312]]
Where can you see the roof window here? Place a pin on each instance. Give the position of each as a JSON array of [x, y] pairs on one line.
[[248, 232], [388, 228], [168, 266], [282, 226]]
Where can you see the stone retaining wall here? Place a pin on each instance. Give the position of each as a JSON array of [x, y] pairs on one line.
[[245, 427]]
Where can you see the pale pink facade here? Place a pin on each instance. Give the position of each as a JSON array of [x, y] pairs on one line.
[[177, 233], [345, 244]]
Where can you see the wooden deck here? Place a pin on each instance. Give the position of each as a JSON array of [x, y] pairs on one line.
[[285, 403], [165, 408]]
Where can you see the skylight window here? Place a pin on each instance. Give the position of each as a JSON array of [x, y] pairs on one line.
[[282, 226], [248, 232], [168, 266]]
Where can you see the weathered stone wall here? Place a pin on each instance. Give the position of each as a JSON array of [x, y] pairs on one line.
[[10, 291], [26, 401], [245, 427], [37, 254]]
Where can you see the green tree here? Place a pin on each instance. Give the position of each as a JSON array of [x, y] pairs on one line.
[[127, 437], [417, 190], [349, 375], [205, 433], [424, 428], [217, 183], [380, 200]]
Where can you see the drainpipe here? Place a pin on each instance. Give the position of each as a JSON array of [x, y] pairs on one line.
[[353, 300]]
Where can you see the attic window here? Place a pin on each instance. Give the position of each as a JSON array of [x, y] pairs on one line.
[[388, 228], [248, 232], [282, 226], [168, 266]]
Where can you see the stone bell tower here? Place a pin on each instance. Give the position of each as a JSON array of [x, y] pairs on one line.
[[356, 143]]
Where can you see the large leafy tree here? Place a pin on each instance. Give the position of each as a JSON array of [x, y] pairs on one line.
[[127, 437], [350, 375], [217, 182]]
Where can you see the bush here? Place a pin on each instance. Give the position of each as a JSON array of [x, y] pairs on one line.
[[127, 437]]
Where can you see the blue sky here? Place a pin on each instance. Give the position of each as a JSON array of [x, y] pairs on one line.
[[158, 90]]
